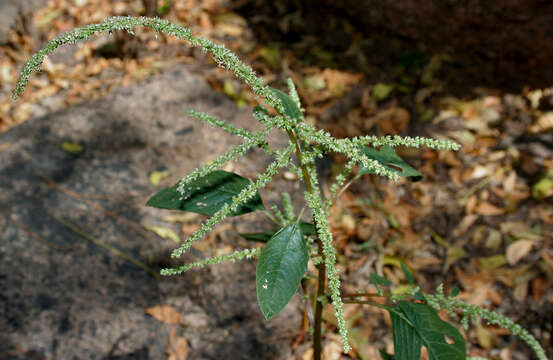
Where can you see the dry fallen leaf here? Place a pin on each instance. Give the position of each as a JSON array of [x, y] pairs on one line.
[[289, 176], [7, 72], [369, 351], [510, 182], [164, 313], [332, 349], [512, 276], [544, 123], [494, 239], [484, 336], [394, 120], [492, 262], [517, 250], [481, 171], [478, 296], [164, 233], [464, 225], [184, 217], [338, 81], [487, 209], [205, 22], [512, 227], [521, 291], [470, 205], [348, 223], [539, 287], [308, 354], [178, 349], [157, 176]]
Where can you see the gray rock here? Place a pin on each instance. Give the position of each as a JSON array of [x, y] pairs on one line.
[[66, 293], [12, 11], [8, 17]]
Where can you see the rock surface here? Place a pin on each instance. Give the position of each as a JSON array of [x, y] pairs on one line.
[[13, 11], [73, 229]]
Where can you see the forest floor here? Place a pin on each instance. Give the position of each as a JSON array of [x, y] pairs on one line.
[[482, 217]]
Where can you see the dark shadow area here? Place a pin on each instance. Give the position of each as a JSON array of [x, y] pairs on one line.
[[504, 45]]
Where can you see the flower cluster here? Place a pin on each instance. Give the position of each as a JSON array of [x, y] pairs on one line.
[[321, 221], [233, 257], [473, 312]]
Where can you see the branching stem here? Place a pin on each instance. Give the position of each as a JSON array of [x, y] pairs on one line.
[[361, 295]]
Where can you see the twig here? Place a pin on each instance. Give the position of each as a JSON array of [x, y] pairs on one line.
[[83, 199], [33, 235], [362, 295], [111, 248]]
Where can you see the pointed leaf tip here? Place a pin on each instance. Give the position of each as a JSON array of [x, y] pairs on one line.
[[408, 276], [387, 156], [291, 109]]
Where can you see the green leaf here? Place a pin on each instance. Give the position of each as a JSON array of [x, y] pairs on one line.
[[407, 274], [376, 279], [260, 109], [385, 356], [381, 91], [306, 230], [455, 291], [416, 325], [419, 296], [291, 109], [207, 195], [407, 343], [388, 158], [281, 265]]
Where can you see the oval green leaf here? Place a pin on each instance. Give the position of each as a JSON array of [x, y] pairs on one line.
[[207, 195], [291, 109], [416, 325], [281, 265], [376, 279], [388, 158]]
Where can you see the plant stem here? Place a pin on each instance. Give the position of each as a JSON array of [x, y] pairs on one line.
[[367, 302], [317, 328], [345, 187], [271, 217], [299, 154], [362, 295]]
